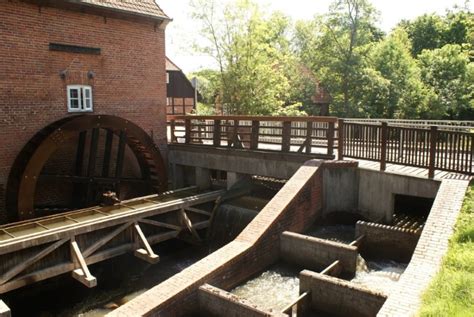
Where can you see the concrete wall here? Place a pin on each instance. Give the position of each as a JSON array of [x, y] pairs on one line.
[[278, 165], [339, 297], [216, 302], [387, 242], [377, 192], [341, 190], [316, 254]]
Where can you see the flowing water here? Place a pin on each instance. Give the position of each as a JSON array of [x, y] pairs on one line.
[[277, 287], [380, 275], [273, 290]]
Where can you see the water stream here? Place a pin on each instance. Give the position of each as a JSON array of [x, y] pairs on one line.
[[277, 287], [380, 276], [273, 290]]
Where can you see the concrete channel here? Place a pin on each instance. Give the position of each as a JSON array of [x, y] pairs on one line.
[[389, 230]]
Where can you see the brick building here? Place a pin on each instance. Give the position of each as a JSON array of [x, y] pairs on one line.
[[82, 100]]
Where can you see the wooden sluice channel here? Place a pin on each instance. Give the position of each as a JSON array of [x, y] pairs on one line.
[[38, 249]]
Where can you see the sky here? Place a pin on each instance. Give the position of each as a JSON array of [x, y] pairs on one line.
[[181, 33]]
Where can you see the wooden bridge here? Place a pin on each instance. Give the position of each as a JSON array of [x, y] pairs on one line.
[[426, 148], [38, 249]]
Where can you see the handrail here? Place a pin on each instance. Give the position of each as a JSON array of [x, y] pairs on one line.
[[432, 147], [252, 118]]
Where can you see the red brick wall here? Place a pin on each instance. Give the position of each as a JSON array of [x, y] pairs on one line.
[[129, 73]]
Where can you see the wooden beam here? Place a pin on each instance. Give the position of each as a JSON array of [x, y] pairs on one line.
[[81, 274], [93, 152], [184, 219], [107, 153], [91, 164], [17, 269], [85, 179], [98, 244], [160, 224], [198, 211], [88, 225], [80, 153], [120, 155], [146, 253]]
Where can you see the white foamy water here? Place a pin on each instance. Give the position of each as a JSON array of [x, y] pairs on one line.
[[272, 290], [380, 276]]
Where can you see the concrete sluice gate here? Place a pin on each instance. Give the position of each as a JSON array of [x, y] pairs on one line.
[[334, 241]]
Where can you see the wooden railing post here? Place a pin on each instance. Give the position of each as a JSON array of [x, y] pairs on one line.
[[217, 133], [286, 136], [309, 137], [330, 137], [433, 141], [340, 139], [254, 135], [383, 147], [173, 134], [187, 131]]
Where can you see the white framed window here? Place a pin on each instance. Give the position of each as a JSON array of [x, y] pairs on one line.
[[79, 98]]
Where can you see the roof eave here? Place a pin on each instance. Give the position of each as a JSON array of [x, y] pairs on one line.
[[97, 9]]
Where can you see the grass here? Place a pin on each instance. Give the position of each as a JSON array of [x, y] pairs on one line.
[[452, 291]]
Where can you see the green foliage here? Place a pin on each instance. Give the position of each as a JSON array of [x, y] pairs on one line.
[[252, 51], [452, 291], [422, 69], [450, 74], [291, 111], [334, 47], [208, 84], [203, 109], [431, 31], [406, 94]]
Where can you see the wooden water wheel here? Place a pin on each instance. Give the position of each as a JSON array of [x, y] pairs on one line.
[[88, 176]]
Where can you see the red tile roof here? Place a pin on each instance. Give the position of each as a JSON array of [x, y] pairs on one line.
[[141, 7]]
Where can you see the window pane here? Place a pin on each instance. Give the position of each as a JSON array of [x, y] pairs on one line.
[[74, 93], [87, 103], [87, 92], [74, 103]]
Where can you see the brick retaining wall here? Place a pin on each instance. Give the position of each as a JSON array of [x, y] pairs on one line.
[[388, 242], [405, 299], [295, 207]]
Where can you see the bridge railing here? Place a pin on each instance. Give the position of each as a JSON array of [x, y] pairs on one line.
[[310, 135], [433, 148], [446, 147]]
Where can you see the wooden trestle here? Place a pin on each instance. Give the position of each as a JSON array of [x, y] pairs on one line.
[[42, 248]]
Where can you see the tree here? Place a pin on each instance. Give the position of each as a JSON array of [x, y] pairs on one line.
[[335, 45], [432, 31], [451, 75], [251, 51], [425, 32], [407, 96]]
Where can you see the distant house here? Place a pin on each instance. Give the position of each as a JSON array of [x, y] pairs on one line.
[[180, 92], [321, 97], [321, 100]]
